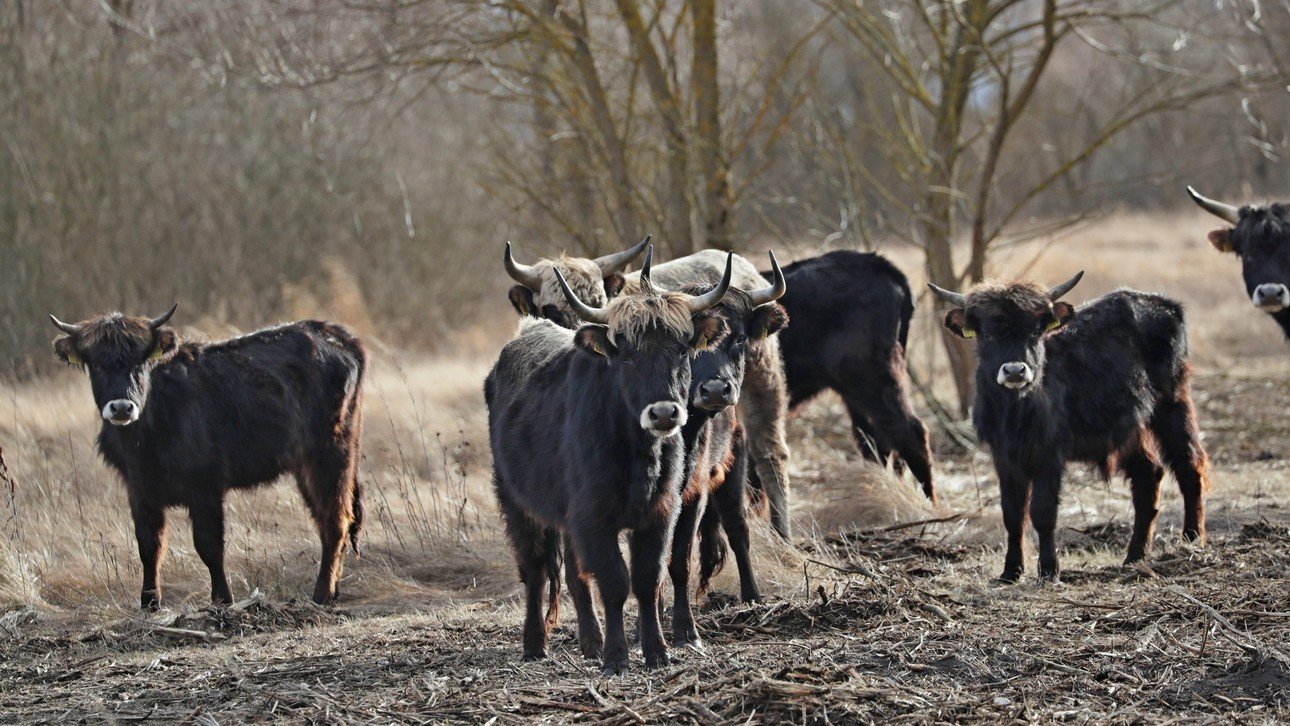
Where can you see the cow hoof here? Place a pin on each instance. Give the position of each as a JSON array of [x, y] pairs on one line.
[[616, 668], [1194, 536], [1009, 577], [533, 655], [689, 638], [149, 602], [592, 650], [750, 597], [657, 660], [1049, 577]]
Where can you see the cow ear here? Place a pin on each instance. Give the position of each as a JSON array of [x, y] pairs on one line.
[[956, 322], [1063, 313], [164, 343], [594, 340], [1222, 239], [709, 330], [767, 320], [522, 300], [65, 349], [614, 285]]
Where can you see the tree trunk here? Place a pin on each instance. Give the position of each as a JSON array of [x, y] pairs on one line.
[[713, 167]]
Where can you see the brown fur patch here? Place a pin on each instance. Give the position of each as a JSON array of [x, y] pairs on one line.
[[583, 276], [994, 293], [112, 335]]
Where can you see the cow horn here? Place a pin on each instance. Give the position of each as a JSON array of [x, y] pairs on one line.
[[580, 308], [609, 264], [1225, 212], [523, 274], [65, 327], [953, 298], [699, 303], [160, 320], [777, 288], [1055, 293]]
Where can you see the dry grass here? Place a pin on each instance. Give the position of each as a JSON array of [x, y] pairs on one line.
[[868, 617]]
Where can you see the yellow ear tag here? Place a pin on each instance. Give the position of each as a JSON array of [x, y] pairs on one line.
[[701, 343], [596, 347], [74, 360], [1054, 324], [157, 352], [969, 333]]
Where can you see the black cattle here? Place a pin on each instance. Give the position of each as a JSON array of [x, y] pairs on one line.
[[1260, 236], [184, 422], [583, 426], [1107, 383], [851, 313], [717, 453]]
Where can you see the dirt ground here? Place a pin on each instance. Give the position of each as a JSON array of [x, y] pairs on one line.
[[889, 623]]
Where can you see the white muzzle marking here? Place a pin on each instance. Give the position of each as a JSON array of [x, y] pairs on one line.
[[1015, 375], [1271, 297], [663, 418], [120, 412]]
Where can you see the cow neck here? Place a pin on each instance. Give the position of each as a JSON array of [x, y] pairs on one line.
[[1002, 414]]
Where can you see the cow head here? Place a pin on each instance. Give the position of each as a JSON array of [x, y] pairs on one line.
[[718, 372], [1260, 236], [647, 339], [1009, 322], [118, 352], [594, 280]]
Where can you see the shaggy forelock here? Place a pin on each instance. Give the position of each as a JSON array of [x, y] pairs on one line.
[[583, 276], [113, 335], [632, 316], [996, 294]]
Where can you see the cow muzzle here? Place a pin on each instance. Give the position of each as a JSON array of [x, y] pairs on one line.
[[715, 394], [1271, 297], [121, 412], [663, 418], [1015, 375]]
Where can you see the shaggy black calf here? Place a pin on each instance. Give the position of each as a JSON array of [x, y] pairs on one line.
[[583, 426], [850, 313], [1107, 383], [183, 423], [1260, 236]]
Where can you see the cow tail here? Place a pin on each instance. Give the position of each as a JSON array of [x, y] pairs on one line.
[[356, 524], [712, 550]]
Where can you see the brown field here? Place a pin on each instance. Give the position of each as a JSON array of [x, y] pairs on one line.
[[866, 619]]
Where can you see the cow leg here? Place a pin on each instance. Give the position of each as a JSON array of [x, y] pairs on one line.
[[712, 549], [207, 515], [597, 548], [649, 549], [1014, 495], [1144, 473], [683, 630], [533, 546], [1044, 498], [590, 640], [730, 502], [883, 422], [150, 534], [763, 409], [330, 490], [1178, 436]]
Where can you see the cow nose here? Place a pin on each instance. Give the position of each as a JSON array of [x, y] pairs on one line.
[[716, 392], [1015, 375], [1272, 297], [663, 418], [121, 411]]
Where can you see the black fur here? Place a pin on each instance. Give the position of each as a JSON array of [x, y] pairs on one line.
[[1262, 240], [569, 454], [1111, 386], [229, 415], [851, 313]]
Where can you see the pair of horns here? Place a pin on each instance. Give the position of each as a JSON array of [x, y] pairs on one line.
[[959, 299], [1225, 212], [697, 303], [153, 323], [757, 298], [527, 276]]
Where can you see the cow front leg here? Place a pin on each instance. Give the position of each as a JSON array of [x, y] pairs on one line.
[[590, 640], [1043, 516], [207, 515], [649, 549], [678, 568], [597, 546], [150, 534], [1014, 493]]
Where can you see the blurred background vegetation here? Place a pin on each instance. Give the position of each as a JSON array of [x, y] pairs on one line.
[[364, 159]]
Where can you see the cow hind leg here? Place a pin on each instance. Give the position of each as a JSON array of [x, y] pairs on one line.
[[330, 487], [1178, 436], [207, 515], [591, 642], [763, 408], [1144, 472]]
